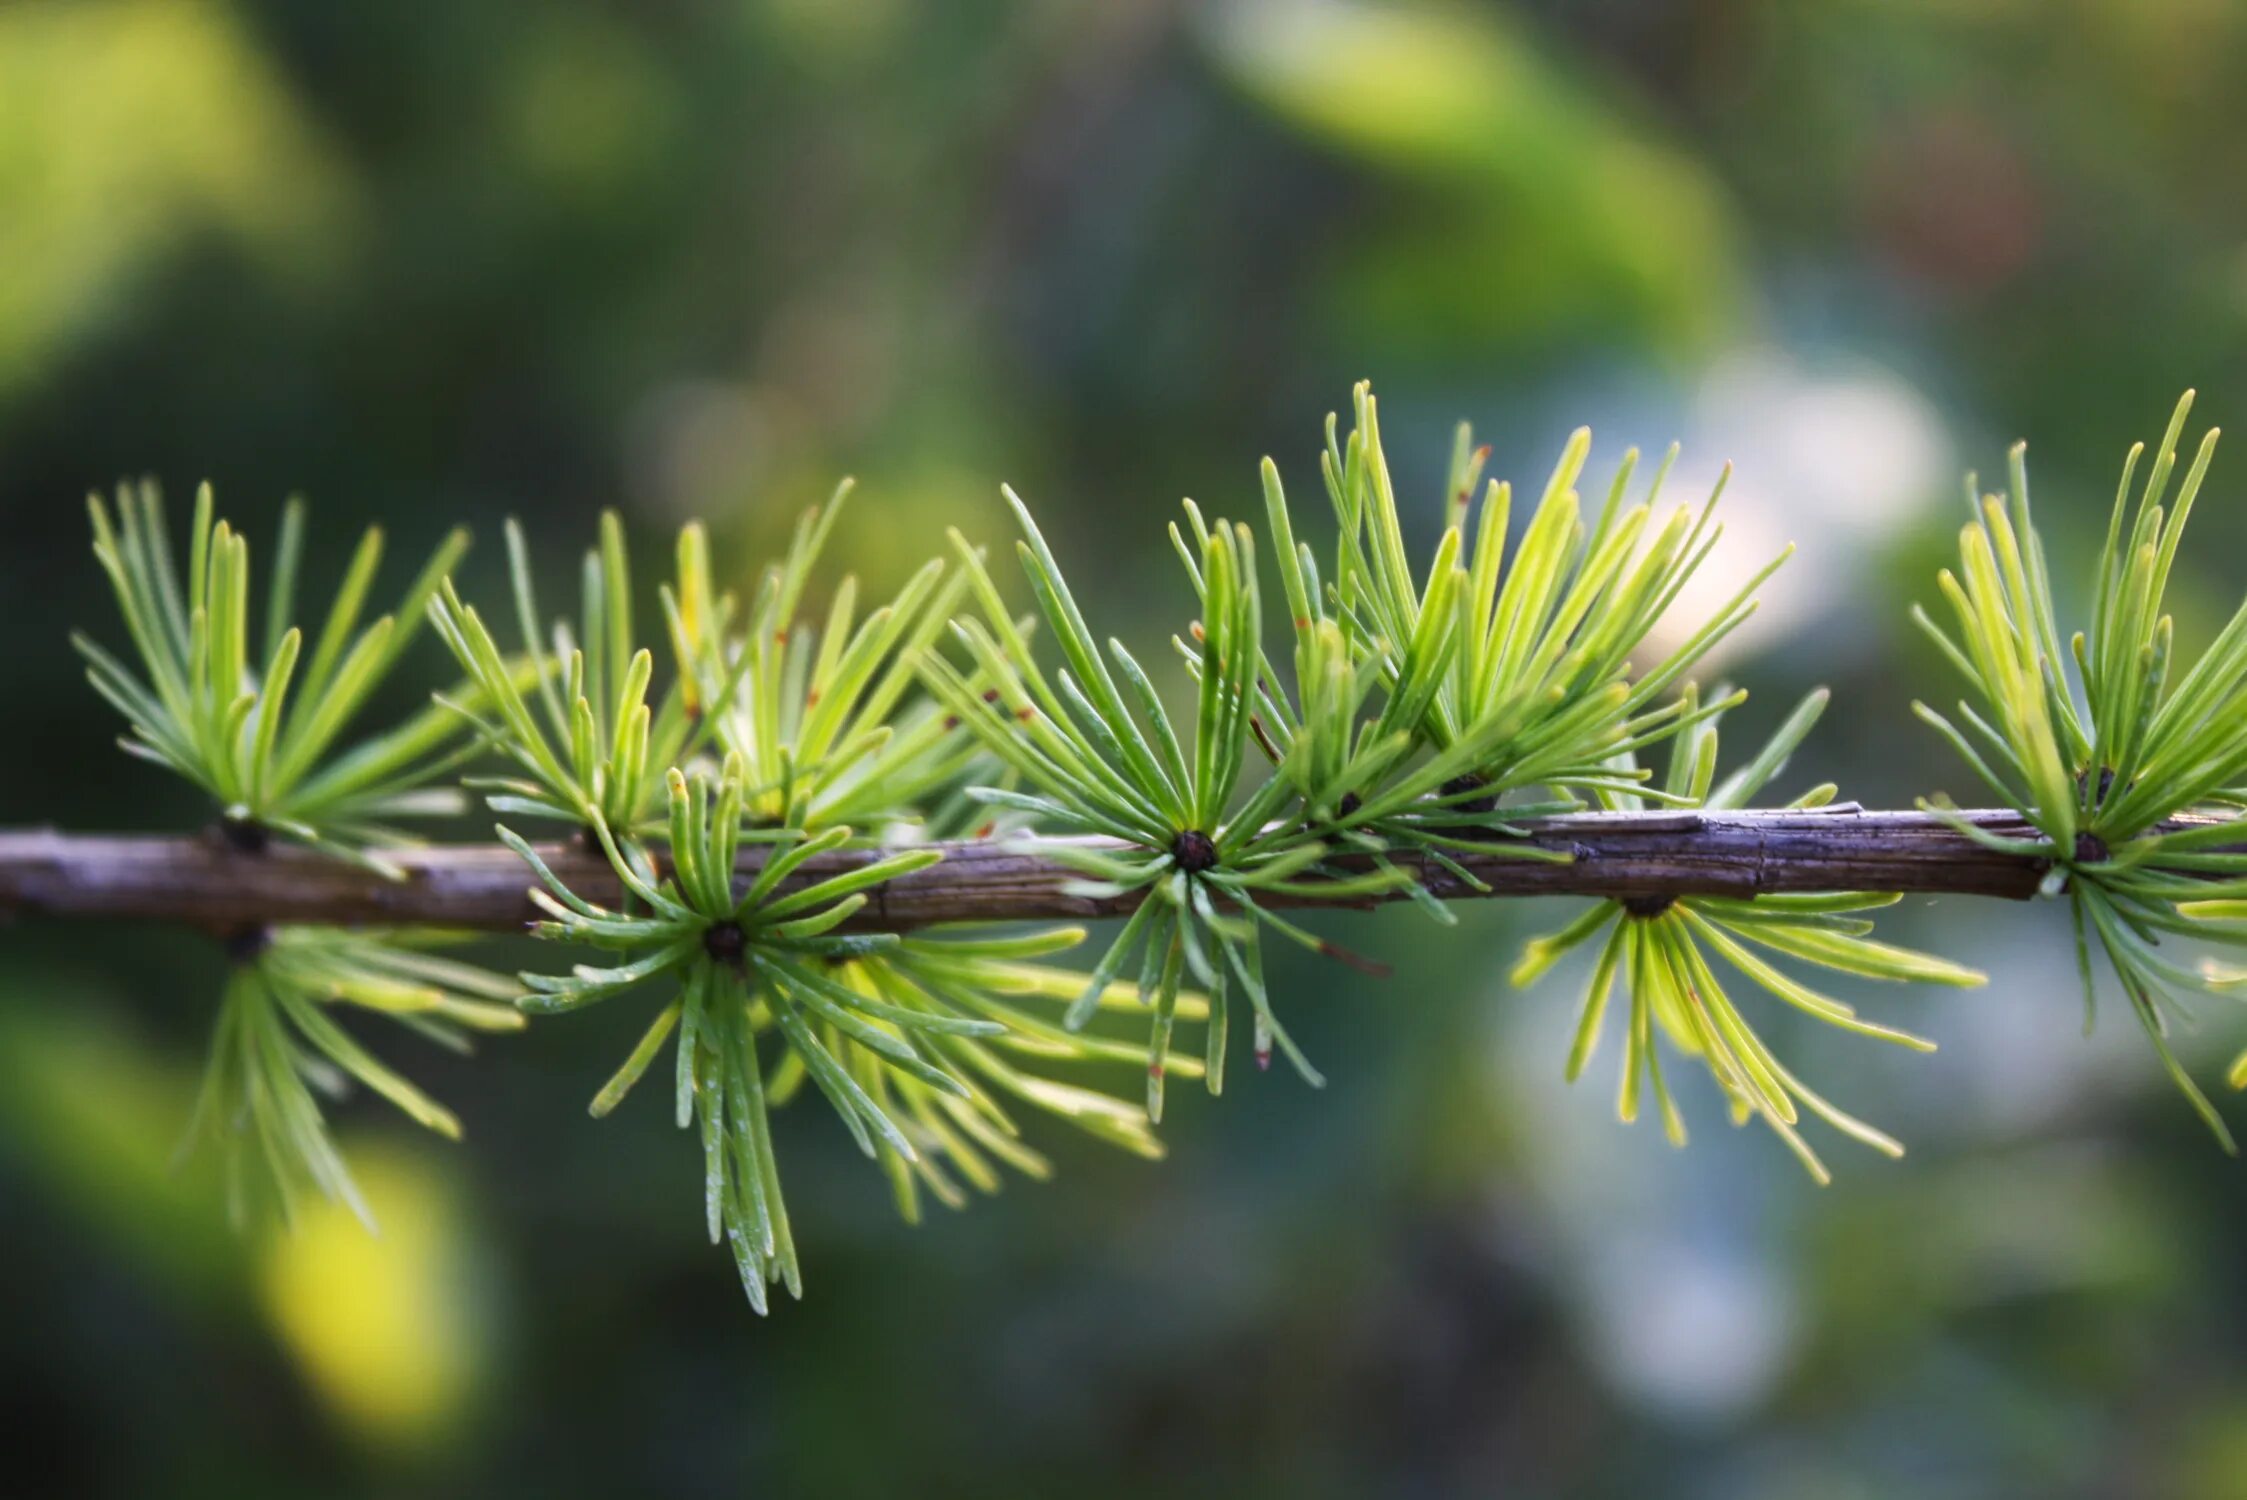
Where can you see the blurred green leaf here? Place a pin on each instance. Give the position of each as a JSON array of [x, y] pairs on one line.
[[125, 129], [1532, 187]]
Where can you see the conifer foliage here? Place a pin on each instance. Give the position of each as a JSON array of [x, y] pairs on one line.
[[1345, 720], [2130, 763]]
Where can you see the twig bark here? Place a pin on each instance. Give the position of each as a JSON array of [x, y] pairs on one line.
[[205, 882]]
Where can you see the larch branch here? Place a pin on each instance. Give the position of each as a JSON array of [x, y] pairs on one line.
[[207, 882]]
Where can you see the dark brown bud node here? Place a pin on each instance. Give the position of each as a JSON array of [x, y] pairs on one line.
[[725, 942], [1194, 851]]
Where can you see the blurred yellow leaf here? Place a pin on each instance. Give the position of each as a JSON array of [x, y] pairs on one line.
[[390, 1328]]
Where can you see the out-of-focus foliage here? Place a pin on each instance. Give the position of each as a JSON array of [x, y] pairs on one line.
[[128, 129], [1532, 185], [93, 1107], [441, 264], [394, 1331]]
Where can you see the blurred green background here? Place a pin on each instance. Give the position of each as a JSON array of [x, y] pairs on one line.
[[451, 263]]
